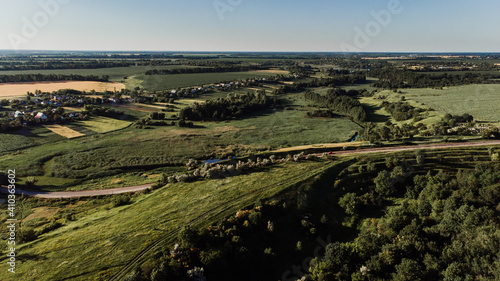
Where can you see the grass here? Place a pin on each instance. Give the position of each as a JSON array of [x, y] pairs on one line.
[[24, 138], [481, 101], [165, 82], [376, 113], [12, 142], [116, 74], [103, 124], [124, 179], [64, 131], [95, 153], [275, 128], [152, 221], [118, 234]]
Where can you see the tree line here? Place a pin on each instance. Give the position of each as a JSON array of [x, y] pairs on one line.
[[340, 103], [401, 111], [50, 77], [217, 69], [45, 65], [393, 78], [336, 81], [373, 132], [231, 107]]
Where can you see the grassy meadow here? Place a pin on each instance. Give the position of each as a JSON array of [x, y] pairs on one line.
[[153, 221], [481, 101], [103, 124], [120, 233], [377, 113]]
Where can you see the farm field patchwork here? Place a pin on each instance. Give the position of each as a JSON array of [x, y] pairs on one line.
[[116, 74], [285, 196], [164, 82], [103, 124], [20, 89], [64, 131]]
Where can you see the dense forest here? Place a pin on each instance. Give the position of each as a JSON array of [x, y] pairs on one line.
[[50, 77], [445, 228], [234, 106], [339, 102], [393, 78]]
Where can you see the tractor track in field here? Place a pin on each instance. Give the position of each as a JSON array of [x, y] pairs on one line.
[[214, 212]]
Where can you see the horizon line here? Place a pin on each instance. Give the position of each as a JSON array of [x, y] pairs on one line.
[[247, 51]]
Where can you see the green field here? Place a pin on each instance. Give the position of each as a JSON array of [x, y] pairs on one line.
[[10, 142], [275, 129], [26, 138], [153, 221], [165, 82], [116, 74], [103, 124], [481, 101], [93, 154], [376, 113], [115, 235]]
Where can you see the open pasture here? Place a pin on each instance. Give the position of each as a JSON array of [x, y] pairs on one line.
[[481, 101], [119, 234], [20, 89]]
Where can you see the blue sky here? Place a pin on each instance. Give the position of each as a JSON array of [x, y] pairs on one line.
[[251, 25]]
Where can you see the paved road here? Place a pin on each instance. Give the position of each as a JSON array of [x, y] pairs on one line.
[[90, 193], [76, 194]]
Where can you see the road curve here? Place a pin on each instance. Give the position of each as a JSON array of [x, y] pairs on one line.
[[76, 194], [91, 193]]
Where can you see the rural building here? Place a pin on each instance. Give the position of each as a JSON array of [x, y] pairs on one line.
[[41, 116], [18, 114]]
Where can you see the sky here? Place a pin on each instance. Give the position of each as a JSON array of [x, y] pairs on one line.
[[252, 25]]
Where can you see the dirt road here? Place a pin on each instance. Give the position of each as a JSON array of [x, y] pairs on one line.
[[76, 194], [90, 193], [417, 147]]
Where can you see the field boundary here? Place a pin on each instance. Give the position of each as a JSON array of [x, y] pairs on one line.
[[64, 131]]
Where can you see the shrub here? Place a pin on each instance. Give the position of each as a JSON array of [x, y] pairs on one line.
[[49, 227], [156, 185], [28, 234], [120, 200]]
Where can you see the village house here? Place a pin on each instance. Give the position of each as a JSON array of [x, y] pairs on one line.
[[18, 114], [40, 115]]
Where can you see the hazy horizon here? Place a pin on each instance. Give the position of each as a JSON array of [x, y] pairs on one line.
[[381, 26]]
